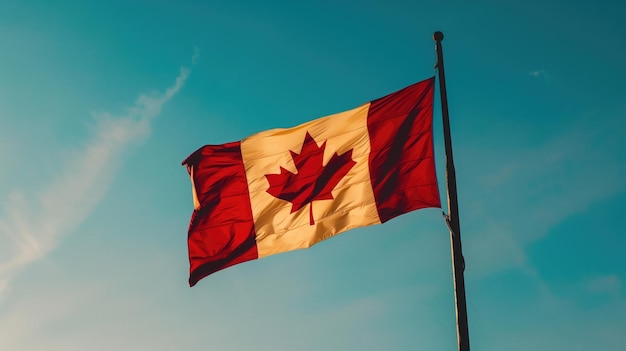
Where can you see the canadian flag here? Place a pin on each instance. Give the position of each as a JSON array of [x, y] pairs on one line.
[[288, 189]]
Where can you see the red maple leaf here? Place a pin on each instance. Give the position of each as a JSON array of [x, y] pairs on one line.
[[312, 180]]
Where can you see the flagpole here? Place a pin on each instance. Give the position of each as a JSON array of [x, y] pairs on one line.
[[452, 219]]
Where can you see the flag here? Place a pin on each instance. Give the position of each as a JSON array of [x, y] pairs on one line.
[[287, 189]]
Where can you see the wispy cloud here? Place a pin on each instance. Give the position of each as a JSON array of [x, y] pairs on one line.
[[525, 193], [537, 73], [609, 284], [35, 223], [196, 55]]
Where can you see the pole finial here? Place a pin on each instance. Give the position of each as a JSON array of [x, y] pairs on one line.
[[438, 36]]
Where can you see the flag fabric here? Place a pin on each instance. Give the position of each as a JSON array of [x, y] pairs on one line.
[[288, 189]]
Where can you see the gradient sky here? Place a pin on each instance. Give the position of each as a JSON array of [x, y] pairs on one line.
[[101, 101]]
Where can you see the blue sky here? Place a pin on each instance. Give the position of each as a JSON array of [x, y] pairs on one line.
[[100, 102]]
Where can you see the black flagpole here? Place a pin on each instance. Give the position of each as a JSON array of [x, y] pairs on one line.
[[452, 219]]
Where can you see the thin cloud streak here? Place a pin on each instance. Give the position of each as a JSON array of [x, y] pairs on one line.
[[34, 224], [538, 72], [561, 177], [196, 55]]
